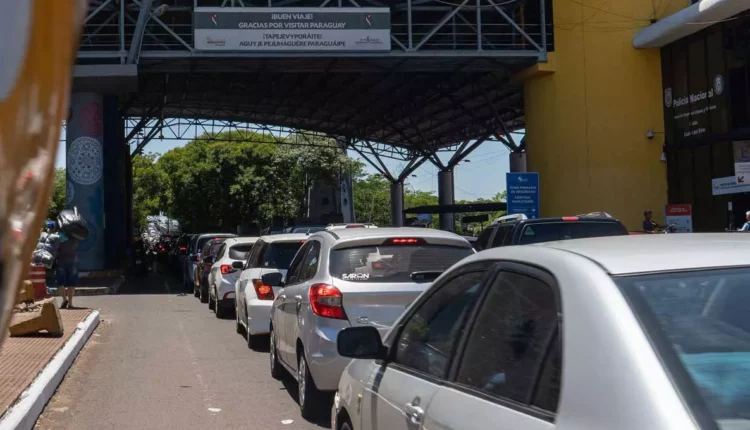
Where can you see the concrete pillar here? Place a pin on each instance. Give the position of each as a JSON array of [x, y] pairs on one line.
[[518, 162], [85, 173], [397, 204], [115, 198], [445, 197]]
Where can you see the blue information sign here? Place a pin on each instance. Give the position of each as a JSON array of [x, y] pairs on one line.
[[523, 194]]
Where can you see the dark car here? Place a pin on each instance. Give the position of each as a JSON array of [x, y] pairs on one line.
[[519, 230], [179, 252], [194, 248], [207, 258]]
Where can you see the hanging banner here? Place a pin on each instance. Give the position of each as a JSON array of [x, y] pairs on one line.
[[681, 216], [728, 185], [284, 29]]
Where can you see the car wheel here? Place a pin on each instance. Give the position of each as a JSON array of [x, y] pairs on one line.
[[308, 394], [220, 310], [253, 340], [204, 296], [196, 291], [346, 425], [237, 324], [273, 358]]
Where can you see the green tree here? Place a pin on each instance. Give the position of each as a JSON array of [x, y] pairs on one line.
[[150, 188], [57, 200], [221, 181]]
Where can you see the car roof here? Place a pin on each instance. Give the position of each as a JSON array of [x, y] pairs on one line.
[[620, 255], [375, 236], [285, 237], [237, 240]]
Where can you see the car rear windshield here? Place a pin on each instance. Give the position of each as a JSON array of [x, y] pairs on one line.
[[311, 229], [280, 254], [703, 320], [564, 230], [202, 241], [240, 252], [392, 263]]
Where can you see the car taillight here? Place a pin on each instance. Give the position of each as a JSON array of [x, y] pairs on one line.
[[182, 248], [226, 269], [325, 301], [405, 241], [264, 292], [570, 218]]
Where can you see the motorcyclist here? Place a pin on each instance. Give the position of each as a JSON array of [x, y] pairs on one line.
[[40, 39]]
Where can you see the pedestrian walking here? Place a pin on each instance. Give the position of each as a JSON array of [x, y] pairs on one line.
[[66, 269]]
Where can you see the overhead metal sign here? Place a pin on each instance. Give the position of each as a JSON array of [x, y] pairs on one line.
[[280, 29]]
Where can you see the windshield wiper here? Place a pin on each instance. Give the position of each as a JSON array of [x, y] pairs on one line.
[[426, 275]]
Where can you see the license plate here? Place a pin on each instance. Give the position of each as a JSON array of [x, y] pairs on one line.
[[137, 261]]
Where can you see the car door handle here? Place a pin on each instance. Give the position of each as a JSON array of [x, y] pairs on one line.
[[414, 413], [298, 298], [282, 297]]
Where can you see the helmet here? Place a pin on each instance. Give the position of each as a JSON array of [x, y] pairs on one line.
[[39, 40], [50, 224]]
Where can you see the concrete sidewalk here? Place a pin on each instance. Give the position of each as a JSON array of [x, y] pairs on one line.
[[32, 367]]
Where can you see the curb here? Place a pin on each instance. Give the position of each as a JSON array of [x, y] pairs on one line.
[[116, 286], [94, 291], [24, 413]]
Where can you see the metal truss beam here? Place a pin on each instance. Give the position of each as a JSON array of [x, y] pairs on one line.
[[489, 29]]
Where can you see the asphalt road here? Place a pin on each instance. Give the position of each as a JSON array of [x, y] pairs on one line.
[[160, 360]]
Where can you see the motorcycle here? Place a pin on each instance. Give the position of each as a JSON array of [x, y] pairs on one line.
[[140, 263]]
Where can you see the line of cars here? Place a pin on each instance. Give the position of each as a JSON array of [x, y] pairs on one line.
[[412, 328]]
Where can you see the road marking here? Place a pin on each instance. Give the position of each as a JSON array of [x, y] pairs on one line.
[[214, 409]]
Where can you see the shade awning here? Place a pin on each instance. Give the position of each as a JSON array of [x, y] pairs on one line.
[[688, 21]]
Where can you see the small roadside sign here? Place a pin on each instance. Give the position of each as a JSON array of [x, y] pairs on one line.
[[523, 194]]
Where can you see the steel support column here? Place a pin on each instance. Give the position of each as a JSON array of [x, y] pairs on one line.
[[446, 197], [397, 203]]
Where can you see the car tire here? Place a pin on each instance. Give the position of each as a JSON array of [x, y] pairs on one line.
[[237, 324], [346, 425], [203, 296], [276, 369], [196, 291], [253, 340], [308, 394], [211, 303], [221, 311]]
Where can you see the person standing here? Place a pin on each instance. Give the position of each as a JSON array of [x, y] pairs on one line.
[[66, 270], [746, 226]]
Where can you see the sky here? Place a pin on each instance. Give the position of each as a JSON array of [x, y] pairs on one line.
[[481, 176]]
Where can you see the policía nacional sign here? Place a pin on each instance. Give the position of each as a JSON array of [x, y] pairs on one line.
[[292, 29]]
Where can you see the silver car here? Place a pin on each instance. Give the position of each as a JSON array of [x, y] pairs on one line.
[[617, 333], [344, 278]]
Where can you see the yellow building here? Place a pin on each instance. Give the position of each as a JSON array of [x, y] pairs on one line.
[[595, 112]]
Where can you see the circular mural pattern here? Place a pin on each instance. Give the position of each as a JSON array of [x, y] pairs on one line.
[[719, 85], [90, 119], [70, 192], [85, 162]]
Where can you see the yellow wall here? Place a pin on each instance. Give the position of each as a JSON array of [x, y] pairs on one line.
[[586, 122]]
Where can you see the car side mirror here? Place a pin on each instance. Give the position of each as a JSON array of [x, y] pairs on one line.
[[239, 265], [361, 342], [275, 279]]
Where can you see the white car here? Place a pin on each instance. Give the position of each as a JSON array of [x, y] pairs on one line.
[[222, 276], [344, 278], [270, 254], [616, 333]]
